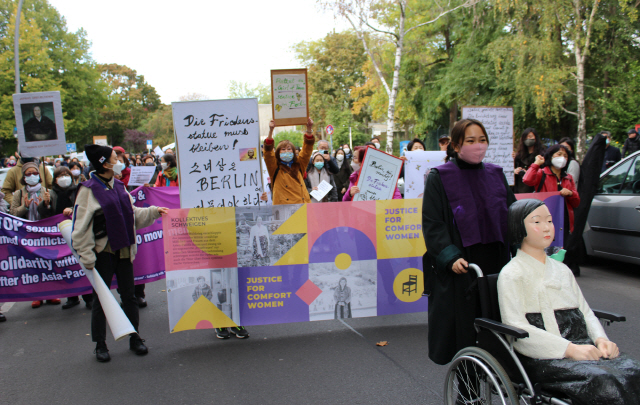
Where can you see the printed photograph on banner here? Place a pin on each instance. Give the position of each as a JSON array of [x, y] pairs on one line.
[[203, 299], [39, 123], [349, 289], [248, 154], [259, 243]]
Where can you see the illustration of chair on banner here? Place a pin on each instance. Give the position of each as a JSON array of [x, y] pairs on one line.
[[411, 285]]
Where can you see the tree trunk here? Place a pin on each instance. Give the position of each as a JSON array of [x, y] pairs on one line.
[[395, 86], [582, 112]]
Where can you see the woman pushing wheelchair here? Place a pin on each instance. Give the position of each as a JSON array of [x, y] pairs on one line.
[[567, 351]]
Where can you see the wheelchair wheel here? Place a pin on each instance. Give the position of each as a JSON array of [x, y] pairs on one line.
[[476, 377]]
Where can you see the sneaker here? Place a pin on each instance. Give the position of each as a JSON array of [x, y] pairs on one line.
[[240, 332], [136, 344], [222, 333], [36, 304], [71, 302], [101, 352]]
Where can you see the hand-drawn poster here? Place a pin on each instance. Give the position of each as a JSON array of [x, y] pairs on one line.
[[416, 168], [378, 176], [498, 121], [289, 96], [217, 144], [293, 263], [40, 124]]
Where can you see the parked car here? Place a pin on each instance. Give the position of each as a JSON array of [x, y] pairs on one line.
[[613, 225]]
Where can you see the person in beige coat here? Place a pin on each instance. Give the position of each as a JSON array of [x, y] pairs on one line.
[[104, 235], [12, 182]]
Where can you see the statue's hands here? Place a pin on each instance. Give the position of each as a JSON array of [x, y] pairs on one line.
[[460, 266], [608, 349], [582, 352]]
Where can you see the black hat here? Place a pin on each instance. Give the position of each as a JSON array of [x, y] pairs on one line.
[[632, 131], [97, 154]]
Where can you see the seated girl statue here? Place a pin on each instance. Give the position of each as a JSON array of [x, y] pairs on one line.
[[567, 351]]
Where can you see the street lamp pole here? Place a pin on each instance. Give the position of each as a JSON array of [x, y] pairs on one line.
[[16, 51]]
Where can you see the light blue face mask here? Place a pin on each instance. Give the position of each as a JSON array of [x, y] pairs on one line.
[[319, 165], [286, 156]]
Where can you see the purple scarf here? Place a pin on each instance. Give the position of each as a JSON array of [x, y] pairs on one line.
[[117, 209], [478, 199]]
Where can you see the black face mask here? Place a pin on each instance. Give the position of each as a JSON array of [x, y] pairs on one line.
[[150, 164]]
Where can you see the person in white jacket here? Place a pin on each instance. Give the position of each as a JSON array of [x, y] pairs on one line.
[[104, 235], [567, 350]]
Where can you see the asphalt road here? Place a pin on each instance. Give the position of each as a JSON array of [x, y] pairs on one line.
[[46, 356]]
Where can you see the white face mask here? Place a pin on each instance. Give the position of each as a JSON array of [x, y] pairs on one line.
[[32, 180], [75, 172], [340, 158], [164, 165], [118, 167], [377, 145], [347, 150], [559, 162], [64, 181], [355, 166]]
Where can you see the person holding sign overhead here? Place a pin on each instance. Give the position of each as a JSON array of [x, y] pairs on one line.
[[464, 220], [104, 235], [287, 169]]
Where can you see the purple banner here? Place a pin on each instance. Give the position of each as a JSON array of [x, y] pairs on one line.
[[555, 202], [37, 264]]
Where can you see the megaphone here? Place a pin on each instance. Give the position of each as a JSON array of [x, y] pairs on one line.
[[120, 325]]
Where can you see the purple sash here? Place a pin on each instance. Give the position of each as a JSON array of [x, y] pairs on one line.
[[478, 199], [117, 209]]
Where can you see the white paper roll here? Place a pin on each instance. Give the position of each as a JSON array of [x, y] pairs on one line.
[[120, 325]]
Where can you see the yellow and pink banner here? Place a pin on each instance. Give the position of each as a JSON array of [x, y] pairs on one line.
[[293, 263]]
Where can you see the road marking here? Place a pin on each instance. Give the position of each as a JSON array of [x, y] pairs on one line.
[[6, 307], [353, 330]]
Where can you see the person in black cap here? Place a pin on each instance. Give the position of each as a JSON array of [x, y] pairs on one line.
[[444, 141], [104, 235], [632, 144]]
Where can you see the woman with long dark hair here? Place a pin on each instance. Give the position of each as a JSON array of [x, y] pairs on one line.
[[573, 167], [529, 147], [464, 220]]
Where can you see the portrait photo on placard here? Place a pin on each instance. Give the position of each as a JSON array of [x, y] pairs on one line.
[[257, 245], [39, 121], [248, 154], [349, 293]]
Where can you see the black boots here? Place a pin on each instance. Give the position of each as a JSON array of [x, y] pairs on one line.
[[102, 353], [136, 345]]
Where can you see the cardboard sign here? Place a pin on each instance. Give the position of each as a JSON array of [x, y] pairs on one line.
[[378, 176], [159, 152], [289, 95], [417, 168], [39, 123], [498, 121], [100, 140], [218, 145], [141, 175]]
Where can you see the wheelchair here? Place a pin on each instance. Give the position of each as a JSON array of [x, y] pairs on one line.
[[475, 370]]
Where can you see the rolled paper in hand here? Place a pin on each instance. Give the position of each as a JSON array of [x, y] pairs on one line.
[[120, 325]]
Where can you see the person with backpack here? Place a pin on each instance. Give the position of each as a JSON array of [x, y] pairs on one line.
[[287, 168]]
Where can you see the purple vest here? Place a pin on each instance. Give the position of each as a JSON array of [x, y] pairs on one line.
[[117, 209], [478, 199]]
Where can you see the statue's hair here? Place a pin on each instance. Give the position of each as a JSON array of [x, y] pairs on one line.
[[518, 211]]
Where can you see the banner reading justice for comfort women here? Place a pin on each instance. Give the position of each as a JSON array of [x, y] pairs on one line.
[[293, 263]]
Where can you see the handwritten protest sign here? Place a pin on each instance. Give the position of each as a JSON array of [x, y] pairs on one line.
[[289, 96], [378, 176], [218, 143], [39, 123], [498, 121], [416, 168], [141, 175]]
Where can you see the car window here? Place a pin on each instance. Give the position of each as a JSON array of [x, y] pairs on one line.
[[612, 183], [632, 180]]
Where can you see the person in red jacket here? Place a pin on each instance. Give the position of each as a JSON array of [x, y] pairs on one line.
[[548, 174], [169, 175], [126, 171]]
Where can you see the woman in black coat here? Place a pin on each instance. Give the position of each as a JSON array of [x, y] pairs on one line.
[[529, 147], [342, 177], [464, 219]]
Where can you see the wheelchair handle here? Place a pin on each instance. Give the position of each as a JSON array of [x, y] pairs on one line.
[[476, 268]]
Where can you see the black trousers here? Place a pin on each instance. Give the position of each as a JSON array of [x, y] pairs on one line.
[[108, 264]]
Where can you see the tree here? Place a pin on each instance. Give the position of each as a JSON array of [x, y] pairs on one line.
[[159, 125], [245, 90], [135, 140], [388, 18], [295, 137], [193, 97]]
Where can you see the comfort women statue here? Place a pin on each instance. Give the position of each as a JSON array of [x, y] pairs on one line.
[[567, 350]]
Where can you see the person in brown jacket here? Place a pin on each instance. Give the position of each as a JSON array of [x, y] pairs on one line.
[[12, 181], [287, 169]]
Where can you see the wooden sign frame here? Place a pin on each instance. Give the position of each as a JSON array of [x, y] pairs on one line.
[[280, 122]]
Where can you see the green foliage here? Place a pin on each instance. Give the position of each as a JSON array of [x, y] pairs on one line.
[[245, 90], [160, 126], [294, 137], [341, 120]]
